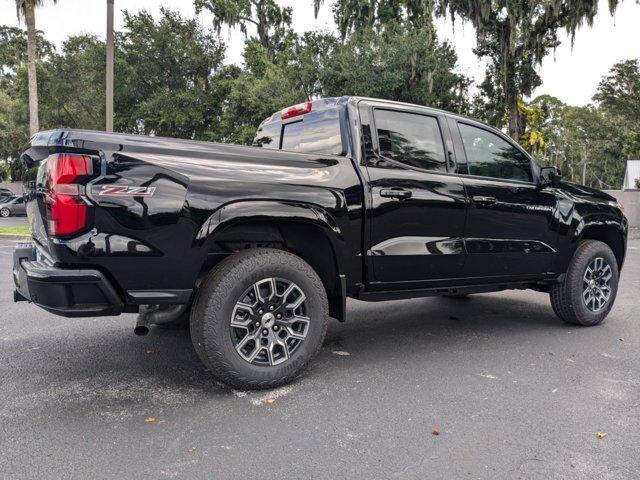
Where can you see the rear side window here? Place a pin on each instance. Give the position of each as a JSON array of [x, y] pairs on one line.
[[489, 155], [410, 138], [268, 136], [316, 132]]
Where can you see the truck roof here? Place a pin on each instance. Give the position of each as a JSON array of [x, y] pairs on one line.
[[328, 103]]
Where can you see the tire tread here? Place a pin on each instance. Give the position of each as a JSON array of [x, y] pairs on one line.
[[216, 289], [563, 294]]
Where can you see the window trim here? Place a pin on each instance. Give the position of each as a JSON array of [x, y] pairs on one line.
[[376, 141], [502, 136], [283, 126]]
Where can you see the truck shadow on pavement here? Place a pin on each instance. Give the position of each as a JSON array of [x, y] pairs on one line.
[[476, 313], [164, 366], [439, 324]]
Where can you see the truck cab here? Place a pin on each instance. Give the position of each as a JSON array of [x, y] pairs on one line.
[[452, 205]]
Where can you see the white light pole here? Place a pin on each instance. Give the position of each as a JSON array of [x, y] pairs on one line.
[[110, 48]]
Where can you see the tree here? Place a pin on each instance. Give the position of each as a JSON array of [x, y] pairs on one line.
[[251, 99], [73, 94], [166, 70], [352, 15], [402, 64], [587, 143], [270, 20], [13, 52], [14, 132], [27, 9], [515, 37], [619, 95], [390, 49], [619, 91], [13, 135], [547, 125]]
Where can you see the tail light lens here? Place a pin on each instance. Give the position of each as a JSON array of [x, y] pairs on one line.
[[67, 209]]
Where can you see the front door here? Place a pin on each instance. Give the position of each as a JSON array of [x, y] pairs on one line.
[[418, 204], [510, 223]]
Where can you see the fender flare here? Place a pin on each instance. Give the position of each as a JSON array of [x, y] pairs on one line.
[[597, 220], [273, 210], [608, 222]]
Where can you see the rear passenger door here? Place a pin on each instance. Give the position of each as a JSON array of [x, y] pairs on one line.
[[510, 223], [417, 201]]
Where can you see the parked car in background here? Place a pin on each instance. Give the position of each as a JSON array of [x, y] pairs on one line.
[[12, 206], [347, 197], [5, 193]]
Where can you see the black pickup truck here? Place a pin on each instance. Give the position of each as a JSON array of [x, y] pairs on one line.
[[341, 197]]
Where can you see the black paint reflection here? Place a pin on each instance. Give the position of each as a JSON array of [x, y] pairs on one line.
[[102, 244], [419, 246]]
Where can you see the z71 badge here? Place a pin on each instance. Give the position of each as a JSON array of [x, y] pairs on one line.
[[125, 191]]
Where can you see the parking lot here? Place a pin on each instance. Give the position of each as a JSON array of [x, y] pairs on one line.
[[512, 391], [19, 221]]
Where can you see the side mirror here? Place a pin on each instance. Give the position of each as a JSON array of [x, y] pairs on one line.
[[549, 176]]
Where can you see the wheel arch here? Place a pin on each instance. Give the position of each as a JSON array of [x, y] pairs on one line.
[[306, 230], [606, 231]]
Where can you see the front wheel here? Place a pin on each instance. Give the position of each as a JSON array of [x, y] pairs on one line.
[[259, 318], [5, 212], [586, 295]]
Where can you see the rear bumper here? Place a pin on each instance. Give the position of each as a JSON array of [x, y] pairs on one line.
[[62, 291]]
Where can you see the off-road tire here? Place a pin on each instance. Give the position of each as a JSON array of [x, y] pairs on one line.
[[567, 296], [213, 307]]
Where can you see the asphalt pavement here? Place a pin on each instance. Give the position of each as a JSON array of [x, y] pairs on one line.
[[512, 391], [19, 221]]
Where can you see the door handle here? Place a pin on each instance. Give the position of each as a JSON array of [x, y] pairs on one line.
[[484, 200], [400, 193]]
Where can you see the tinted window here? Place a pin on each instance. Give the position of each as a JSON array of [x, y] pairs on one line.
[[268, 136], [315, 133], [18, 201], [491, 156], [410, 138]]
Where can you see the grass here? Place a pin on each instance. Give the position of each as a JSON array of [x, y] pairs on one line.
[[24, 231]]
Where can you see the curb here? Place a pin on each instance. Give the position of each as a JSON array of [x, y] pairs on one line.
[[17, 238]]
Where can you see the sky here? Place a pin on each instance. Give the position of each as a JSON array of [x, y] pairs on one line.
[[572, 74]]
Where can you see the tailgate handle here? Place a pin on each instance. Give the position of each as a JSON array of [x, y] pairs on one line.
[[400, 193], [484, 200]]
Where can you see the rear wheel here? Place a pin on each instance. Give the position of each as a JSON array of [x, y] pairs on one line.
[[259, 318], [5, 212], [586, 295]]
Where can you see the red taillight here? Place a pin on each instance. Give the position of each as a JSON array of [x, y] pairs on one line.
[[296, 110], [67, 210]]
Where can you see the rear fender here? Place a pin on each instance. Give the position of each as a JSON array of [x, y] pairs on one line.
[[272, 211]]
